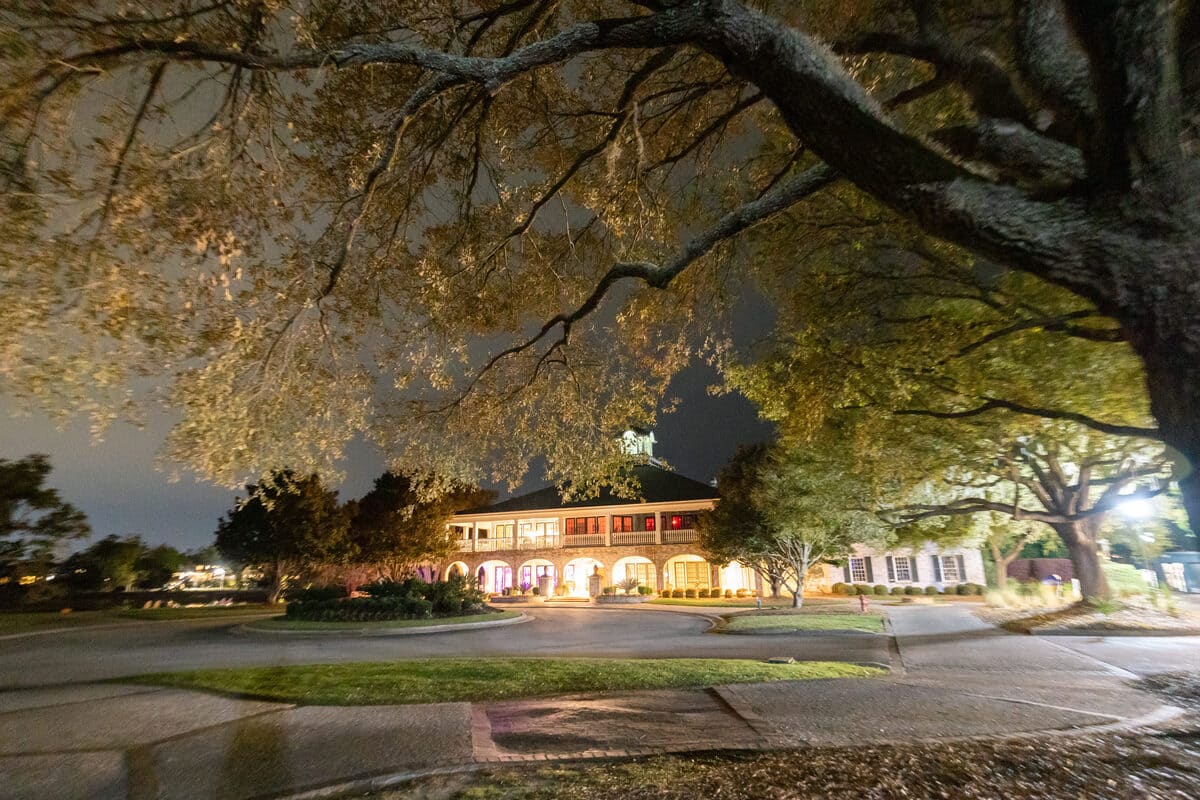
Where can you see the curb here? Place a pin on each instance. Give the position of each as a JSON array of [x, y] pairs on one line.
[[414, 631], [1114, 632]]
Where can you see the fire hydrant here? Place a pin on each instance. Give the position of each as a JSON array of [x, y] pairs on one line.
[[862, 602]]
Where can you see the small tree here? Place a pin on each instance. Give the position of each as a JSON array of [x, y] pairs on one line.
[[156, 565], [34, 520], [287, 524], [401, 522], [785, 511], [111, 564]]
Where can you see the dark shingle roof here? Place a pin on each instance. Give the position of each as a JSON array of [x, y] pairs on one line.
[[658, 486]]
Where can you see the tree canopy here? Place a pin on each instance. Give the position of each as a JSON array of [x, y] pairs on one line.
[[457, 226], [34, 520], [287, 524], [402, 522], [785, 511]]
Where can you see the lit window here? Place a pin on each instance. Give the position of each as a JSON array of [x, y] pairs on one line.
[[676, 522], [858, 570], [650, 523], [903, 570]]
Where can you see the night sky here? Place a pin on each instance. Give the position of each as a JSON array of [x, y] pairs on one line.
[[116, 482]]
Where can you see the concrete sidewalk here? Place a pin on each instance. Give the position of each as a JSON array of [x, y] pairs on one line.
[[953, 678]]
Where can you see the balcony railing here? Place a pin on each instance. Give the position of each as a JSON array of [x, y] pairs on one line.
[[538, 542], [679, 536], [584, 540], [634, 537], [489, 545]]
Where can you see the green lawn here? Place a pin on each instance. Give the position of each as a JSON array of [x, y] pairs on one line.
[[198, 612], [471, 679], [285, 624], [870, 622], [30, 621], [741, 602]]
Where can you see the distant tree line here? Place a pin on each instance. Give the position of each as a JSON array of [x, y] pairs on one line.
[[289, 529]]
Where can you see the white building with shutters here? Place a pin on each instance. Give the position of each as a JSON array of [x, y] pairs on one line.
[[929, 565]]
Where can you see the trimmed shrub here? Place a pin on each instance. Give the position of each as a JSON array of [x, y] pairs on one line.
[[962, 589], [880, 589], [410, 599], [975, 589], [394, 588], [609, 590], [316, 594], [912, 589], [899, 589], [645, 590], [838, 588], [743, 592], [677, 594], [932, 590], [690, 594], [862, 588], [729, 593]]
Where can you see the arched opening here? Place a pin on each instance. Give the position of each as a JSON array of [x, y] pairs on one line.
[[736, 575], [494, 576], [457, 568], [638, 567], [577, 576], [532, 571], [687, 571]]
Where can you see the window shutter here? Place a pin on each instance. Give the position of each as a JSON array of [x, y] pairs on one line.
[[937, 569], [962, 569], [912, 565], [891, 570], [870, 572], [846, 571]]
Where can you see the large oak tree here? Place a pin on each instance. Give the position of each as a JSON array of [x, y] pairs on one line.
[[286, 205]]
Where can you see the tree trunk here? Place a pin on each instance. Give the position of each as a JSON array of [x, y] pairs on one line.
[[1173, 383], [1001, 567], [1080, 539], [798, 597]]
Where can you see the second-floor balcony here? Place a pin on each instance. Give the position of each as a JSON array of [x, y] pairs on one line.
[[584, 540], [615, 539], [679, 536]]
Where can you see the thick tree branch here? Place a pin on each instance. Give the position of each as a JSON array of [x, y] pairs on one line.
[[784, 195], [1053, 64], [992, 404], [1132, 50]]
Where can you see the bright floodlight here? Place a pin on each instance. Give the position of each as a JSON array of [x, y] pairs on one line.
[[1138, 508]]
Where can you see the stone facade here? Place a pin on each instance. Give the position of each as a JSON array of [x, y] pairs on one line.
[[608, 556]]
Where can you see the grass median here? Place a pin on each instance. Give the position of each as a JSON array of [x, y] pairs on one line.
[[475, 679], [806, 620]]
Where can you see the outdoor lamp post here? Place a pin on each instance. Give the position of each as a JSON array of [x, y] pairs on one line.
[[1138, 511]]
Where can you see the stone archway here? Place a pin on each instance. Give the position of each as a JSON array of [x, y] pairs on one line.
[[646, 571], [687, 571], [494, 576], [456, 568], [577, 573]]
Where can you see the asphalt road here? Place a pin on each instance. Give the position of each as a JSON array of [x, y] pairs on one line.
[[88, 655]]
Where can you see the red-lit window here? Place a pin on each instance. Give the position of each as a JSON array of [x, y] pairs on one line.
[[622, 524], [585, 525], [650, 523], [676, 522]]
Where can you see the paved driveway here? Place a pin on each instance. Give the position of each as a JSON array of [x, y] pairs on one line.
[[87, 655]]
